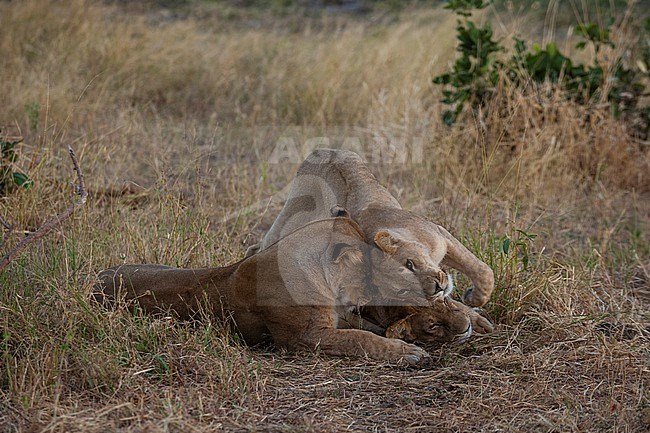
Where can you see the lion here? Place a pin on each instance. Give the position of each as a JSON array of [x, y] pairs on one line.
[[445, 321], [295, 291], [333, 181]]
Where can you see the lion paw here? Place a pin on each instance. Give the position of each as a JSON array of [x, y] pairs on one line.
[[410, 353], [480, 323], [472, 298]]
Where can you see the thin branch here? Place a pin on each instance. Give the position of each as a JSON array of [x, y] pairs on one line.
[[9, 229], [48, 226], [5, 224]]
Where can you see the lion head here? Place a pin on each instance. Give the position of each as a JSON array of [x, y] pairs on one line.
[[407, 266], [356, 262], [420, 248], [442, 322]]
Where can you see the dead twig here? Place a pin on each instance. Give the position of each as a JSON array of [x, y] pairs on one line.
[[48, 226], [5, 224], [9, 229]]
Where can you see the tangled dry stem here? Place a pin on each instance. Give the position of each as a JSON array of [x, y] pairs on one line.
[[51, 224]]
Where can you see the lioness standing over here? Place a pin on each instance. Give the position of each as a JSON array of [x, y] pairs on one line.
[[329, 179], [295, 291]]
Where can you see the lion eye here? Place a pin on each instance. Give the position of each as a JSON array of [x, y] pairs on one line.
[[409, 265]]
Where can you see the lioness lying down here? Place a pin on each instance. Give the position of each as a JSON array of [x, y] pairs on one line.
[[445, 321], [331, 179], [297, 291]]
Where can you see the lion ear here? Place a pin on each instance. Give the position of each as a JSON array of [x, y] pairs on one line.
[[339, 211], [399, 329], [386, 241], [343, 251]]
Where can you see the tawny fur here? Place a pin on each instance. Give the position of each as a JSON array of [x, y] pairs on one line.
[[331, 179], [295, 292], [445, 321]]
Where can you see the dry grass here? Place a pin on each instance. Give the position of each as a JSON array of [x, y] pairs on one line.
[[190, 110]]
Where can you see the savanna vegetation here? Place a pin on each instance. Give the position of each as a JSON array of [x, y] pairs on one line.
[[175, 108]]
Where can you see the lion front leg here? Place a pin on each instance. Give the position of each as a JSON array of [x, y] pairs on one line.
[[480, 323], [356, 342], [314, 328], [461, 259]]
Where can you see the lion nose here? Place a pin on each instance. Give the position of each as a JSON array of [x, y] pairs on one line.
[[439, 284]]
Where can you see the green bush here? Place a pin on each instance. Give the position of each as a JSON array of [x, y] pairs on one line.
[[9, 176], [476, 72]]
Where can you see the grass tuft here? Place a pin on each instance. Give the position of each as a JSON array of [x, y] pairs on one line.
[[174, 118]]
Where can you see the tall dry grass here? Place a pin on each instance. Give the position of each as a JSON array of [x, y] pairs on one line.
[[190, 111]]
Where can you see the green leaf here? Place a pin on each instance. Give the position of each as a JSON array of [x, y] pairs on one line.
[[23, 180], [442, 79], [163, 366], [8, 146], [520, 46], [505, 246], [530, 236], [581, 45], [449, 117]]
